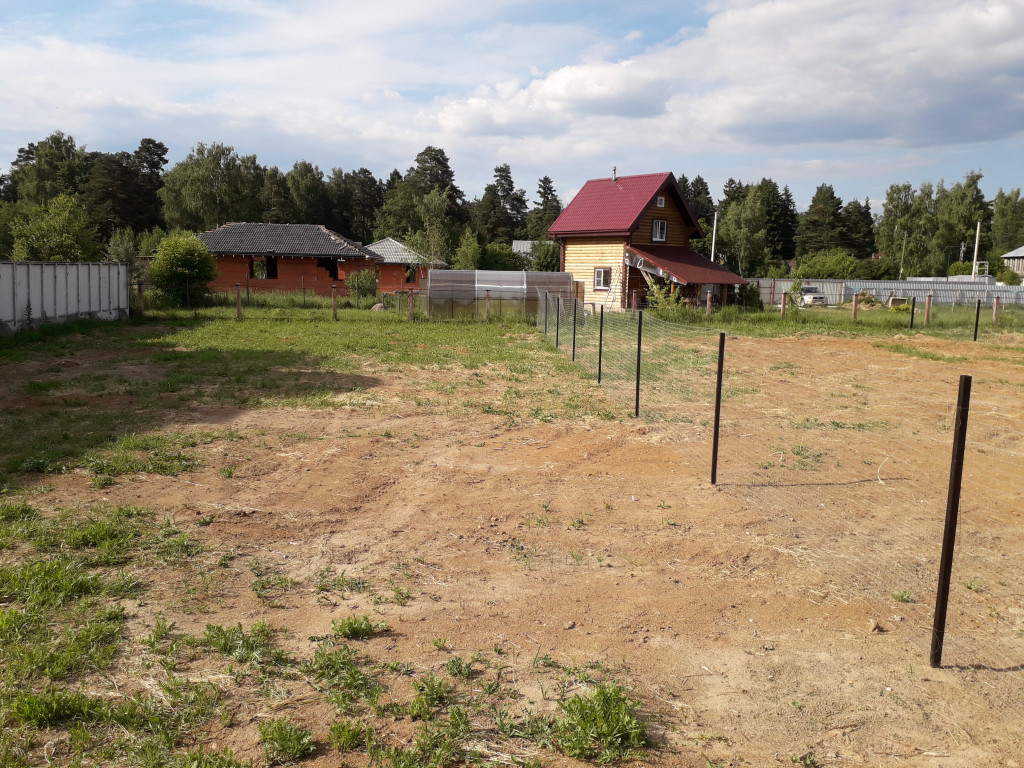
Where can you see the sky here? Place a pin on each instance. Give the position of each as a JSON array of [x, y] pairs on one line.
[[856, 95]]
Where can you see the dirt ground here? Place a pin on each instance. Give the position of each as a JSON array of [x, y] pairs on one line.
[[587, 540]]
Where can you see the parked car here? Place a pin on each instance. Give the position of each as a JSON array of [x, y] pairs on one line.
[[812, 297]]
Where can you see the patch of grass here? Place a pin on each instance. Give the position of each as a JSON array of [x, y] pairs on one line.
[[923, 354], [284, 742], [974, 584], [903, 596], [257, 647], [346, 735], [357, 627], [337, 671], [328, 580], [602, 726]]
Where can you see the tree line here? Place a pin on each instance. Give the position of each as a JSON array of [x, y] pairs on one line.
[[63, 202]]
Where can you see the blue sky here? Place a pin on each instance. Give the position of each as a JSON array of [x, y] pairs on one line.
[[804, 91]]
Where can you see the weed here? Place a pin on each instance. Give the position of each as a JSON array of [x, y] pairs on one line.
[[602, 726], [903, 596], [357, 627], [205, 520], [227, 472], [974, 584], [283, 742], [441, 643], [256, 648], [327, 580], [346, 735], [459, 669], [807, 759], [102, 481]]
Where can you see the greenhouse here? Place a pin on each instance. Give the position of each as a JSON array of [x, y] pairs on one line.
[[492, 292]]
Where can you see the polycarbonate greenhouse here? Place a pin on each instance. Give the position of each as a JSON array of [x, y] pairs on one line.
[[461, 292]]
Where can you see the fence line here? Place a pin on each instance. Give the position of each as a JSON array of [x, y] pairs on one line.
[[34, 293], [848, 470]]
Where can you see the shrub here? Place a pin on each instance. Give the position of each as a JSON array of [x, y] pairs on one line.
[[362, 283], [1008, 277], [284, 742], [183, 268]]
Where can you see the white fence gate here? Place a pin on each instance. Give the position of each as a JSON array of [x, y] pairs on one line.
[[33, 293]]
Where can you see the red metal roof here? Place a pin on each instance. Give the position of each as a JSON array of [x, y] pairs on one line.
[[688, 267], [605, 206]]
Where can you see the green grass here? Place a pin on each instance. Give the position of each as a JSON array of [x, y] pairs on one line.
[[357, 627], [923, 354], [284, 742]]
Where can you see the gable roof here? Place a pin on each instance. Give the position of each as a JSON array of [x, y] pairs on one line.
[[615, 205], [391, 251], [260, 239], [681, 265]]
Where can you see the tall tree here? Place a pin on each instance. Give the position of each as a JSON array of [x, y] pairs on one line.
[[905, 229], [365, 195], [743, 233], [211, 186], [275, 197], [467, 255], [699, 196], [1007, 221], [820, 227], [545, 210], [958, 211], [858, 228], [309, 202], [57, 230], [55, 166]]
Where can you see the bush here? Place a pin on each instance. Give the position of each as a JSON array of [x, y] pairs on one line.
[[284, 742], [961, 268], [362, 283], [183, 269], [1008, 277]]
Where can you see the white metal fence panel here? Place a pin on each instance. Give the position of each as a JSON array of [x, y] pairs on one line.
[[34, 293], [955, 292]]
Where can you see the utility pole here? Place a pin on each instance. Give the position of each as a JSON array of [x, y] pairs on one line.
[[714, 235], [902, 255], [977, 241]]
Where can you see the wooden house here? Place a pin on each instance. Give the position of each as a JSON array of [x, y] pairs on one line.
[[400, 268], [621, 235], [284, 257]]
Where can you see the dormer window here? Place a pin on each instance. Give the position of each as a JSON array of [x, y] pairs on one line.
[[661, 201], [659, 231]]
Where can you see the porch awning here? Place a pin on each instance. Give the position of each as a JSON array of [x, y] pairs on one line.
[[679, 265]]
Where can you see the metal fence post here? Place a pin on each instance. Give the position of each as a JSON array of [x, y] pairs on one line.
[[558, 317], [574, 303], [302, 280], [928, 309], [913, 310], [334, 300], [718, 408], [856, 296], [956, 471], [977, 317], [639, 345], [600, 345], [238, 300], [995, 310], [547, 297]]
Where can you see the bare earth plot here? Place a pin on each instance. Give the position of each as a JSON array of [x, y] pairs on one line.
[[782, 616]]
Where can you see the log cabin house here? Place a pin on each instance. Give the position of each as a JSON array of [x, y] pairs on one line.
[[621, 235], [284, 257]]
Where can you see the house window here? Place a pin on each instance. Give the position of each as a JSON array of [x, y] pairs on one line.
[[602, 278], [661, 201], [659, 231]]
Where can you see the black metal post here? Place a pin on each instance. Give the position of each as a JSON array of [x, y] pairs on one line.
[[977, 317], [547, 295], [639, 345], [956, 471], [574, 303], [913, 309], [718, 408], [558, 317], [600, 345]]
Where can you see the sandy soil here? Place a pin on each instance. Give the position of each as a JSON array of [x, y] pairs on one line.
[[595, 540]]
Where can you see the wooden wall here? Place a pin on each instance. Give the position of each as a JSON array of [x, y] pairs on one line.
[[584, 255], [678, 231]]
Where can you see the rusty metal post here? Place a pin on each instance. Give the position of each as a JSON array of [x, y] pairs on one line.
[[856, 298], [785, 301], [707, 311], [334, 300], [956, 471], [928, 309], [410, 305], [487, 305], [238, 301], [995, 310]]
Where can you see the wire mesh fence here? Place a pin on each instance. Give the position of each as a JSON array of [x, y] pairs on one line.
[[846, 459]]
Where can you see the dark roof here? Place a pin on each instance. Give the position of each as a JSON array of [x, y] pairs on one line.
[[686, 266], [607, 206], [258, 239]]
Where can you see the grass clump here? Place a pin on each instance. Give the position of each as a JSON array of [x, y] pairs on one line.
[[339, 674], [256, 647], [346, 735], [284, 742], [357, 627], [602, 727]]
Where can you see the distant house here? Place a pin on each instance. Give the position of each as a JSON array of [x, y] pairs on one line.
[[1015, 260], [400, 268], [284, 257], [523, 248], [623, 234]]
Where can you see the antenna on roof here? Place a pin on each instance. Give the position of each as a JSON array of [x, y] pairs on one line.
[[614, 176]]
